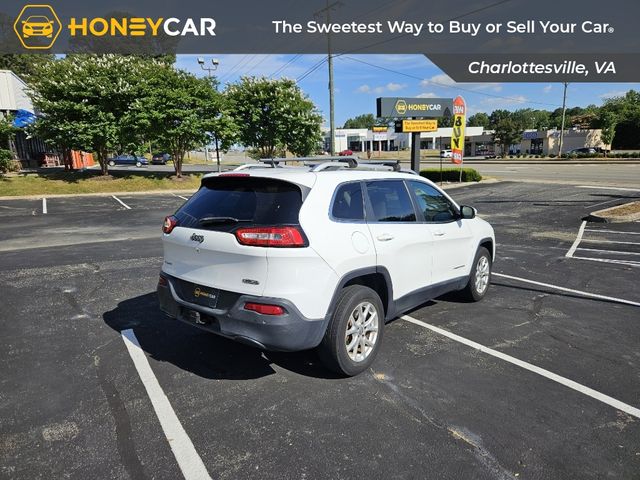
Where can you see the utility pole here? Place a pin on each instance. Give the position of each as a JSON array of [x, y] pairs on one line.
[[564, 111], [332, 125], [209, 70]]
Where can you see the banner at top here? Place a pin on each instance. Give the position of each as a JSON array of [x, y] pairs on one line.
[[484, 40]]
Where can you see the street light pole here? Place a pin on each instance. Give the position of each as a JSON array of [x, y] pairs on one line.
[[215, 62], [564, 111], [332, 124]]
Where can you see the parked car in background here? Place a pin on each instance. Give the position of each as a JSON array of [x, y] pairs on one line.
[[160, 158], [346, 153], [582, 151], [446, 153], [127, 160]]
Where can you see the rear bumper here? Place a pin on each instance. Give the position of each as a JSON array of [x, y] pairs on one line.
[[289, 332]]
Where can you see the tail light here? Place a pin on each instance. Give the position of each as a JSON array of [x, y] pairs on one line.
[[169, 224], [265, 309], [270, 236]]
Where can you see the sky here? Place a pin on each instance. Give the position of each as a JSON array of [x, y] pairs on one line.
[[360, 79]]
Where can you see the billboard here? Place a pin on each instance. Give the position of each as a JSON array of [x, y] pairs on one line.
[[401, 107]]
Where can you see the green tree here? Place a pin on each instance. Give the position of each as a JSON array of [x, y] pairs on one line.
[[25, 65], [273, 116], [479, 119], [498, 115], [6, 132], [608, 122], [506, 133], [177, 112], [85, 99], [366, 120]]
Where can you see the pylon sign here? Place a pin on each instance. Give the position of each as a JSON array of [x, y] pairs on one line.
[[457, 137]]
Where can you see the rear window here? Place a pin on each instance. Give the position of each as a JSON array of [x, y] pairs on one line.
[[257, 201]]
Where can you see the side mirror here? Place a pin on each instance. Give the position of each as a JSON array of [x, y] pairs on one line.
[[467, 212]]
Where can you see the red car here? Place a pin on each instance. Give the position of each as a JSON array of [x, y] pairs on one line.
[[346, 153]]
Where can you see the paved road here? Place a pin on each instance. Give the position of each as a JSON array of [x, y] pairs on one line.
[[613, 174], [72, 403], [606, 174]]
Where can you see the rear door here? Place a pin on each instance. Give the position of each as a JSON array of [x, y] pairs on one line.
[[401, 243], [203, 249]]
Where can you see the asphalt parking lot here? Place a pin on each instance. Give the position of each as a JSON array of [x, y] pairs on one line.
[[445, 399]]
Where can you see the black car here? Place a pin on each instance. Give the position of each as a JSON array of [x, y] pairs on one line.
[[127, 160], [160, 158]]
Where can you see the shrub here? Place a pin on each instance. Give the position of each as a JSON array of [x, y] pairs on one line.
[[7, 163], [451, 174]]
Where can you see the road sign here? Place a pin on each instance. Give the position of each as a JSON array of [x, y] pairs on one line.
[[408, 126], [398, 107], [457, 137]]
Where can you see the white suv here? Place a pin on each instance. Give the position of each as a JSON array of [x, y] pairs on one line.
[[295, 258]]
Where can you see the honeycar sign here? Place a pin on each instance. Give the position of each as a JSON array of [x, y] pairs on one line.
[[401, 107]]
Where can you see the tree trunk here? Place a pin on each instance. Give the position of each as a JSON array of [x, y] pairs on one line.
[[102, 160], [178, 157]]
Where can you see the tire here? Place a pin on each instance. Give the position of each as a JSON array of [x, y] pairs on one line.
[[112, 163], [480, 277], [360, 310], [138, 164]]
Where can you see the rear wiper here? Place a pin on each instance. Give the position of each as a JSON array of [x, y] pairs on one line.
[[219, 220]]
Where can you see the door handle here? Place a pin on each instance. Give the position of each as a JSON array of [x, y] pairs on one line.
[[385, 237], [438, 233]]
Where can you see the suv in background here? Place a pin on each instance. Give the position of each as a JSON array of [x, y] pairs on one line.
[[160, 158], [446, 153], [319, 256]]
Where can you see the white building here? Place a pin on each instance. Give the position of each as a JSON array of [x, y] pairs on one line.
[[13, 93]]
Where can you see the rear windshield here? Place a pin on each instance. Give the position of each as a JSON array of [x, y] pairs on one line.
[[257, 201]]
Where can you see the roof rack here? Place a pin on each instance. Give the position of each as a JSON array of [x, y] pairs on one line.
[[318, 164]]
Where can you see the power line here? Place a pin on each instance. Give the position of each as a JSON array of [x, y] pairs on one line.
[[312, 69], [444, 85]]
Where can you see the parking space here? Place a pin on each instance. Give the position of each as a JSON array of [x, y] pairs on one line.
[[609, 243], [534, 382]]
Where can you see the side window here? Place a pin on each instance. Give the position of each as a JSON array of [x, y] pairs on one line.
[[390, 201], [347, 203], [434, 205]]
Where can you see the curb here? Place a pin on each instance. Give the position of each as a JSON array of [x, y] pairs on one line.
[[98, 194], [608, 215]]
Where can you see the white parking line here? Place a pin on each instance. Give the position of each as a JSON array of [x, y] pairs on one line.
[[618, 242], [532, 368], [180, 196], [610, 231], [615, 252], [572, 250], [629, 263], [188, 459], [44, 206], [123, 204], [610, 188], [570, 290]]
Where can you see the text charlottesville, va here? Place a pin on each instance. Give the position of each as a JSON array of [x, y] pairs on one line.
[[566, 67]]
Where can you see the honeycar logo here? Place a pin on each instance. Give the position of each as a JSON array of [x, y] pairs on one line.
[[141, 26], [37, 27]]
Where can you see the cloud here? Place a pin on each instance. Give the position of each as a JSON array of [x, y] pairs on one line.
[[393, 87], [389, 87], [503, 102], [615, 93], [444, 80], [547, 89], [427, 95]]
